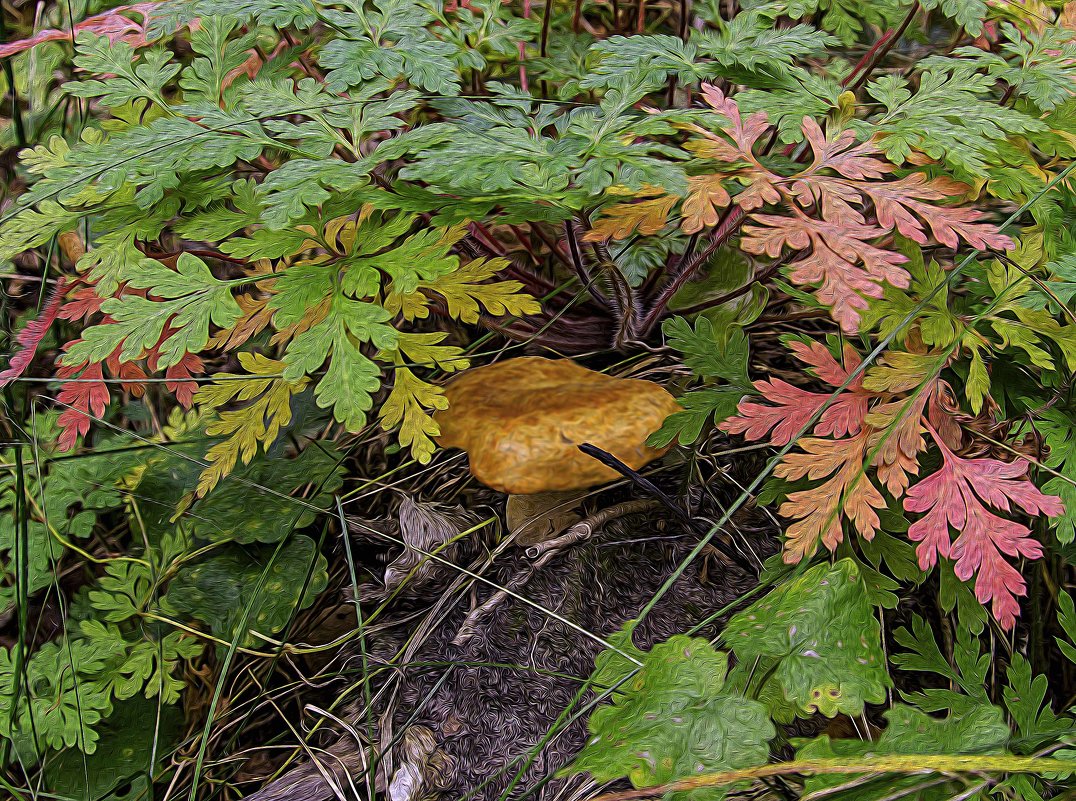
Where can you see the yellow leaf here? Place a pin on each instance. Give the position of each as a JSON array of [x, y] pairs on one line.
[[423, 350], [244, 428], [464, 293], [705, 195], [900, 371], [406, 407]]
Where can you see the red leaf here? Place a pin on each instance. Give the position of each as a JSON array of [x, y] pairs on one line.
[[817, 356], [131, 373], [84, 303], [83, 397], [112, 24], [178, 376], [32, 334], [957, 496], [795, 406]]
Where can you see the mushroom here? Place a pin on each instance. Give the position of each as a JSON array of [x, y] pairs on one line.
[[521, 422]]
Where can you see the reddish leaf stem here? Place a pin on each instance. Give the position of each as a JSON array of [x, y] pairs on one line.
[[721, 234], [865, 66]]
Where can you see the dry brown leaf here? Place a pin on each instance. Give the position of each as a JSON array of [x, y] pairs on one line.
[[533, 519]]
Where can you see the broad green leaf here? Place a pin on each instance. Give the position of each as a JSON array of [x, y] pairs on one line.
[[218, 589], [980, 730], [821, 639], [124, 749], [674, 720]]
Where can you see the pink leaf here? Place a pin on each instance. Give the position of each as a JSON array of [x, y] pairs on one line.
[[112, 24], [795, 406], [956, 496], [32, 334]]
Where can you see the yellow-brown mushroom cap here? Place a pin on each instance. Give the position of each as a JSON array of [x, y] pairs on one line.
[[521, 422]]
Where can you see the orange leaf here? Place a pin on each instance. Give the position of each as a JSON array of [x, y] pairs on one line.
[[818, 511], [705, 195], [621, 220], [898, 441]]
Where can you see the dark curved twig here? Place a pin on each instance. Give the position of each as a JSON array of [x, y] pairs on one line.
[[652, 489]]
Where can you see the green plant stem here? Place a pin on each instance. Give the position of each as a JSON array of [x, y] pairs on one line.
[[879, 764]]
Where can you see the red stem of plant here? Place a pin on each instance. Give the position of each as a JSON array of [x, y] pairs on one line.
[[554, 247], [885, 43], [725, 229], [479, 232]]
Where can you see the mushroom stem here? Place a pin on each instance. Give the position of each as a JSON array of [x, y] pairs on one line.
[[650, 488]]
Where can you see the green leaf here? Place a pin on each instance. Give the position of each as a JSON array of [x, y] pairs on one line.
[[959, 595], [751, 43], [673, 720], [218, 56], [402, 47], [968, 14], [820, 638], [1066, 616], [134, 77], [967, 672], [845, 18], [657, 56], [126, 742], [1025, 698], [977, 387], [1058, 430], [1033, 64], [948, 118], [1060, 287], [701, 408], [193, 299], [218, 589], [62, 705], [613, 666], [711, 352], [349, 384], [223, 514]]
